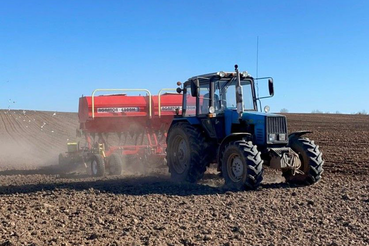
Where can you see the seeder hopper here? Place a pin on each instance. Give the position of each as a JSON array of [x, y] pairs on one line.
[[122, 128]]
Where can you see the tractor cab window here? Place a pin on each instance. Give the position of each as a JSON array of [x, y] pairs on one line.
[[228, 93], [189, 103], [218, 106], [204, 99]]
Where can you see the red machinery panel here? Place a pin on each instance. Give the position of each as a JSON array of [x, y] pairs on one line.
[[120, 112]]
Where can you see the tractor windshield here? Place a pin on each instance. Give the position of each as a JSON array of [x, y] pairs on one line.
[[227, 91]]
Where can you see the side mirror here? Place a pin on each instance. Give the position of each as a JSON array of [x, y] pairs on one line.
[[271, 87], [194, 87]]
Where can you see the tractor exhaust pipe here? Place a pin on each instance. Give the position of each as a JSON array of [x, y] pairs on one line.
[[239, 97]]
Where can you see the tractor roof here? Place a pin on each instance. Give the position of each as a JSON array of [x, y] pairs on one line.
[[221, 75]]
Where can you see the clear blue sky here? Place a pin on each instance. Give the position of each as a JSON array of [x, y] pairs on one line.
[[52, 52]]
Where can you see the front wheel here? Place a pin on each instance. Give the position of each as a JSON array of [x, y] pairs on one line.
[[311, 159], [97, 165], [242, 166]]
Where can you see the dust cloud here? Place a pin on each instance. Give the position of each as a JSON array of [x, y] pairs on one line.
[[18, 154], [32, 139]]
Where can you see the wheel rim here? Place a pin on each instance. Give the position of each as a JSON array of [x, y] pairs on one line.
[[235, 167], [94, 167], [180, 154]]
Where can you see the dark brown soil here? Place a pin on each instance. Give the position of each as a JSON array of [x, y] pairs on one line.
[[40, 207]]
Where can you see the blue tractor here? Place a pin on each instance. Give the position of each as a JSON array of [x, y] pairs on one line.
[[219, 123]]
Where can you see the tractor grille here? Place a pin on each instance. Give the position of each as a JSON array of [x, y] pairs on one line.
[[276, 124]]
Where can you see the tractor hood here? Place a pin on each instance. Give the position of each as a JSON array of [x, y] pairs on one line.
[[268, 128], [254, 114]]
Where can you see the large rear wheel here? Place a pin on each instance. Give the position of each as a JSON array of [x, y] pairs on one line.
[[311, 162], [242, 166], [187, 153]]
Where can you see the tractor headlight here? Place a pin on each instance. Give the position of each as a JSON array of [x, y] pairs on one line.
[[266, 109], [245, 74], [222, 74], [282, 137], [211, 110], [272, 137]]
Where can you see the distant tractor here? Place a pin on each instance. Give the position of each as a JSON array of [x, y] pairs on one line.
[[71, 156], [220, 123]]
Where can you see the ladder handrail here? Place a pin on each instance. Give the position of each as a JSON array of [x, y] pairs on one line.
[[159, 97]]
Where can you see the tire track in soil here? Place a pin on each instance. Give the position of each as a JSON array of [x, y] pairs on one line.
[[31, 140], [58, 126], [50, 139], [19, 128], [5, 126], [24, 146], [32, 134], [20, 134], [8, 124]]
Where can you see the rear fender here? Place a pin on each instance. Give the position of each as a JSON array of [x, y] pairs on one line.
[[189, 120], [229, 138], [297, 134]]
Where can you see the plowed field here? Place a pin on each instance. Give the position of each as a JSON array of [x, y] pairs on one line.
[[40, 207]]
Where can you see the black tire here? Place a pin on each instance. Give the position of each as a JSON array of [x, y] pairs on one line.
[[187, 153], [242, 166], [311, 162], [115, 164], [97, 166]]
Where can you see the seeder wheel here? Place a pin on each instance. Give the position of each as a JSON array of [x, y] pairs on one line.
[[115, 164], [97, 166]]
